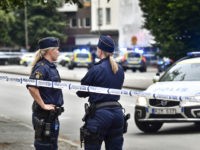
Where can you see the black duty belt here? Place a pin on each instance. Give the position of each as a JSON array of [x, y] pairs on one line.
[[44, 113], [90, 110], [110, 104]]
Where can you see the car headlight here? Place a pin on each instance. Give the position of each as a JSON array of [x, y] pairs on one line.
[[141, 101]]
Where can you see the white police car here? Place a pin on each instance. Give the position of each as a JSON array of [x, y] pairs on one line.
[[174, 98]]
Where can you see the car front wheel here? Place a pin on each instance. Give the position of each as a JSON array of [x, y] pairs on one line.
[[197, 124], [25, 64], [143, 69], [148, 127]]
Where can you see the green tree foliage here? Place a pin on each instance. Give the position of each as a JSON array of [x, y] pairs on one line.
[[6, 21], [175, 25], [42, 18], [16, 4]]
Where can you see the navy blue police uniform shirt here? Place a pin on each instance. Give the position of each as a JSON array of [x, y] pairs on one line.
[[101, 75], [44, 70]]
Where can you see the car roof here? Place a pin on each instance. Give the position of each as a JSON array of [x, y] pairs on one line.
[[133, 52], [81, 52], [190, 61]]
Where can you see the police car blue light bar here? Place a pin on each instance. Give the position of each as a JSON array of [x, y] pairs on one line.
[[193, 54]]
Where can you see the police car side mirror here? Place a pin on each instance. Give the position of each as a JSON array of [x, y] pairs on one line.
[[156, 77]]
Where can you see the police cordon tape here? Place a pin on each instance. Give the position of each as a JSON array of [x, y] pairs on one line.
[[94, 89]]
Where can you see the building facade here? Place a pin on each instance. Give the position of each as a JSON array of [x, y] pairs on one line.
[[121, 19], [105, 18], [78, 29]]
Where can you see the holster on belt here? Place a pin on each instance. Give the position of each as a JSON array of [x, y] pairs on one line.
[[48, 114], [43, 120], [90, 109], [39, 128], [87, 112], [126, 118]]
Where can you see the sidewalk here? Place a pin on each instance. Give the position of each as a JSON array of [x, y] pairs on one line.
[[132, 80], [15, 135]]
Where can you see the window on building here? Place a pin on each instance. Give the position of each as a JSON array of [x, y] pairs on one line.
[[99, 16], [87, 22], [73, 22], [108, 16], [80, 22]]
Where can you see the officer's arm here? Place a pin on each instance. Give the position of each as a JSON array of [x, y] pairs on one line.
[[87, 80], [36, 96], [82, 93]]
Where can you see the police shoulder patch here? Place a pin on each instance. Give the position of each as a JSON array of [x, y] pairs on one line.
[[38, 75]]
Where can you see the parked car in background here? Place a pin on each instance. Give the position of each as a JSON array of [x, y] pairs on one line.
[[27, 59], [118, 56], [163, 64], [181, 80], [4, 58], [80, 58], [134, 61], [151, 59], [64, 58], [9, 58]]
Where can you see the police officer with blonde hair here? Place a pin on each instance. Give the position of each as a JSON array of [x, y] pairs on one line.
[[104, 119], [47, 105]]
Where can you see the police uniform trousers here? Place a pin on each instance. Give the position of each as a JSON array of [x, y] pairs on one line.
[[50, 144], [107, 124]]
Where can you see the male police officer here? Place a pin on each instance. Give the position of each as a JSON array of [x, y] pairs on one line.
[[104, 120], [47, 101]]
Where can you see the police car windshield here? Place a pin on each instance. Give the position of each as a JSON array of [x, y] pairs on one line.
[[183, 72]]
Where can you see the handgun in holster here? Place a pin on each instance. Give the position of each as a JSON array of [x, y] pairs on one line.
[[87, 111], [39, 128], [48, 122], [83, 133], [59, 110], [53, 114], [126, 118]]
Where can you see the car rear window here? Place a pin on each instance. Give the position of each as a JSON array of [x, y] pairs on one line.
[[131, 55], [82, 55]]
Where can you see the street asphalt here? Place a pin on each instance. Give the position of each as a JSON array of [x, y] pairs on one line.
[[18, 136]]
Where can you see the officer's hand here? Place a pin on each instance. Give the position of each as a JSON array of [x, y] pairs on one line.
[[49, 107], [78, 94], [82, 94]]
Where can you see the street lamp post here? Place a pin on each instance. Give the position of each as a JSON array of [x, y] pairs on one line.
[[99, 17], [25, 24]]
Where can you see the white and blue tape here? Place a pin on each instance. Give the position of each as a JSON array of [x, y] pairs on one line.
[[70, 86]]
